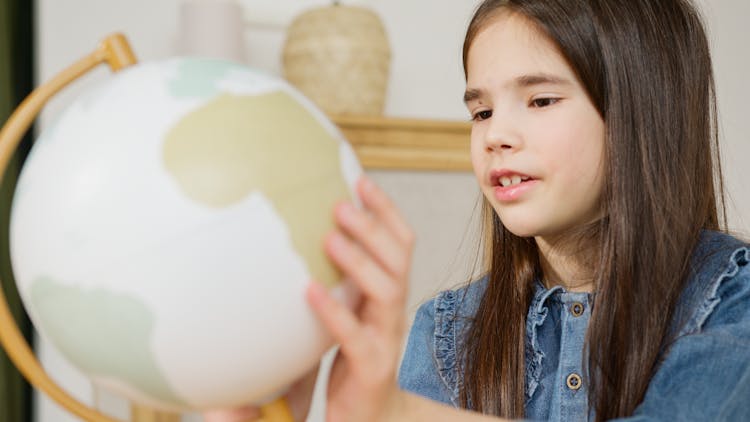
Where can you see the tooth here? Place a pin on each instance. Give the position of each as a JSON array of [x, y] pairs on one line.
[[524, 178], [505, 181], [515, 180]]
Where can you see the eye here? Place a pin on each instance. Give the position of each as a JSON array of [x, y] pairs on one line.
[[543, 102], [481, 115]]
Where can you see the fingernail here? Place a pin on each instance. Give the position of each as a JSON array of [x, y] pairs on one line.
[[317, 291], [367, 183], [345, 210], [337, 240], [314, 286]]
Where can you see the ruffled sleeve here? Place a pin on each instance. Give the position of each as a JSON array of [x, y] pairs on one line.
[[422, 372]]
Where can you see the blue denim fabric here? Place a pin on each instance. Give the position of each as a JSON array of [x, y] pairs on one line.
[[704, 373]]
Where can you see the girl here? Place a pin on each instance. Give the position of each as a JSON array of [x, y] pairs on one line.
[[609, 290]]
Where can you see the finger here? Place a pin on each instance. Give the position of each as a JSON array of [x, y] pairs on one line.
[[369, 276], [244, 414], [381, 205], [338, 319], [300, 394], [376, 239]]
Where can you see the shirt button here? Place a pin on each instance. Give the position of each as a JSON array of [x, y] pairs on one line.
[[576, 309], [574, 381]]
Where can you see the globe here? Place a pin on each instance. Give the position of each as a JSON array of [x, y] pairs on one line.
[[166, 225]]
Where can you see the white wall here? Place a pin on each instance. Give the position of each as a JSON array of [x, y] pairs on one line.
[[729, 34], [426, 82]]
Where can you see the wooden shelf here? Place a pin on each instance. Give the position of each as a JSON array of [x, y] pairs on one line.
[[408, 144]]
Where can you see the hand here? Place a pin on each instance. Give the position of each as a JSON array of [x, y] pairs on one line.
[[298, 397], [373, 249], [243, 414]]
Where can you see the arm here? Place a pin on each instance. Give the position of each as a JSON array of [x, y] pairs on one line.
[[415, 408]]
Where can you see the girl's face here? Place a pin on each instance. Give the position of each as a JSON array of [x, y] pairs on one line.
[[537, 141]]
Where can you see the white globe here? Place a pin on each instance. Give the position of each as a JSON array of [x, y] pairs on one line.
[[165, 228]]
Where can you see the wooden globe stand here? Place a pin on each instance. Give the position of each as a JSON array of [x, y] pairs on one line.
[[115, 51]]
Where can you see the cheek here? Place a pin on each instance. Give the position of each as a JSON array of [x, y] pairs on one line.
[[576, 152]]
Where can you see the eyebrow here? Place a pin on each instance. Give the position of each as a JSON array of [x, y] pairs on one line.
[[541, 78], [471, 95], [523, 81]]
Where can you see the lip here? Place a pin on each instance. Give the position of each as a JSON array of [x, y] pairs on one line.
[[514, 192]]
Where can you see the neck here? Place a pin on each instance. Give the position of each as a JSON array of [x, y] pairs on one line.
[[563, 260]]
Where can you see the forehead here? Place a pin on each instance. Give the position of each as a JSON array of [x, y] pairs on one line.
[[510, 45]]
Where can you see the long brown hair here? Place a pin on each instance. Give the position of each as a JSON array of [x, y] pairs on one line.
[[646, 67]]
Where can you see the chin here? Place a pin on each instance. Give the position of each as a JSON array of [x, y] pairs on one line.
[[531, 222], [520, 222], [520, 229]]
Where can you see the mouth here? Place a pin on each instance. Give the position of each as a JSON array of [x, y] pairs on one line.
[[511, 186], [508, 178]]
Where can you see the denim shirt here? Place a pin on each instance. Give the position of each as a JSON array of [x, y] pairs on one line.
[[705, 374]]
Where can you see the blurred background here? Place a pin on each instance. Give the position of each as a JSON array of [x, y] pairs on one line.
[[39, 38]]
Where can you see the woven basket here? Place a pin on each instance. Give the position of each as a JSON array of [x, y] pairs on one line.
[[339, 57]]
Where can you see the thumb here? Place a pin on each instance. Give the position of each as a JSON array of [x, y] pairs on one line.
[[242, 414]]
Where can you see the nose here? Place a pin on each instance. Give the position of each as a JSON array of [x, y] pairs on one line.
[[501, 135]]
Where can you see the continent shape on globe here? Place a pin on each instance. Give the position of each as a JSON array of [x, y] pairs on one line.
[[297, 167]]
